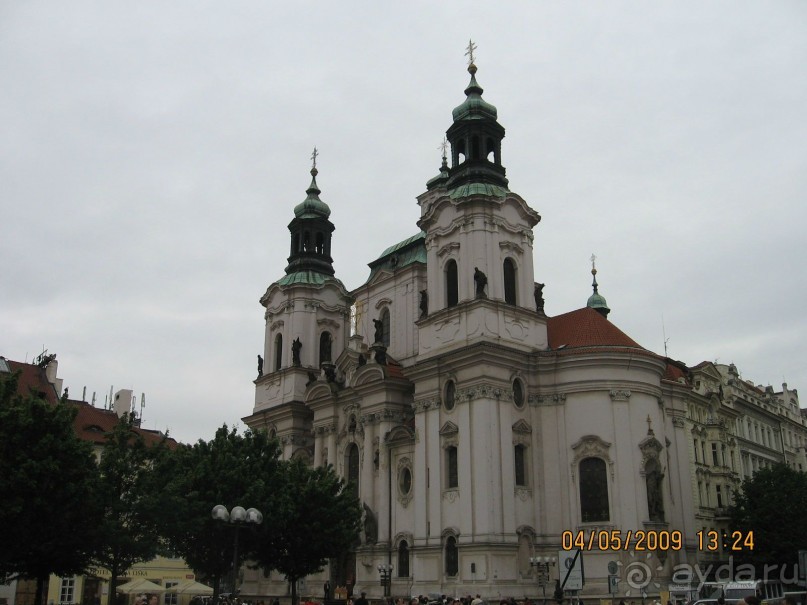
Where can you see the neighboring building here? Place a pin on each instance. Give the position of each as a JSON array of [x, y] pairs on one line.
[[91, 424]]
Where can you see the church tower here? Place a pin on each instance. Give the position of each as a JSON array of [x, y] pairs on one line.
[[479, 240], [307, 327]]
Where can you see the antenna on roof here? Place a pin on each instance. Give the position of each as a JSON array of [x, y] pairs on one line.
[[84, 394], [93, 399], [664, 335], [142, 404]]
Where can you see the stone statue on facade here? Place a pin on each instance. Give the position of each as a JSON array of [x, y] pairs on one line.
[[480, 281], [655, 498], [295, 352], [370, 525], [424, 303], [260, 366], [539, 297], [379, 330]]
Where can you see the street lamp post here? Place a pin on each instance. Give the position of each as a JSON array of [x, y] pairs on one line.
[[542, 564], [236, 518], [385, 571]]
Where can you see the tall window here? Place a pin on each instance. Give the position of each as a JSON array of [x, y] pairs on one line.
[[403, 559], [521, 472], [509, 281], [170, 598], [452, 476], [451, 393], [325, 347], [452, 284], [714, 455], [593, 490], [278, 350], [352, 464], [452, 557], [67, 590], [385, 322]]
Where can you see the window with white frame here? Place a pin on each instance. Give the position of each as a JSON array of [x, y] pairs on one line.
[[67, 590]]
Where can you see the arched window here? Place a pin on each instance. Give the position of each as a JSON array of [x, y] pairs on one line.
[[385, 323], [295, 243], [403, 559], [452, 284], [593, 490], [509, 281], [452, 557], [320, 246], [521, 465], [352, 465], [325, 348], [278, 351], [452, 474], [474, 148]]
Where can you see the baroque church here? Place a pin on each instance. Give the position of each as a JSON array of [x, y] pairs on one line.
[[479, 431]]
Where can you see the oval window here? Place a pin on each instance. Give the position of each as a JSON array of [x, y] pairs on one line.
[[405, 481], [518, 393], [451, 392]]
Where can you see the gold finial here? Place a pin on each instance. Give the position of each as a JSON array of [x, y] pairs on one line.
[[593, 265], [470, 54], [314, 159]]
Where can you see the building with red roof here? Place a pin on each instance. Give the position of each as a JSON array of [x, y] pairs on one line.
[[480, 432]]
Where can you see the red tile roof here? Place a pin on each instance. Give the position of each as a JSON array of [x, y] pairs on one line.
[[586, 328], [675, 371], [91, 423], [33, 380]]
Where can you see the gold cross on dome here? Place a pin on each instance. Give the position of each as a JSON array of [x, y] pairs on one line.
[[470, 52], [314, 157]]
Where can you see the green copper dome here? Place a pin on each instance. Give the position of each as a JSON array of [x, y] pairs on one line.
[[597, 301], [312, 206], [474, 107]]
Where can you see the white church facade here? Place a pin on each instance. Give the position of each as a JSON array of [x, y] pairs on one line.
[[479, 431]]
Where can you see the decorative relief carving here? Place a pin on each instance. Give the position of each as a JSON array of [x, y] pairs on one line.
[[547, 399], [451, 494], [523, 493], [619, 394], [384, 302], [510, 246], [678, 422], [276, 324], [591, 446], [651, 449], [448, 248], [330, 323], [423, 405]]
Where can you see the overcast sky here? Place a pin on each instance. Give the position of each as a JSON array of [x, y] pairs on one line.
[[152, 152]]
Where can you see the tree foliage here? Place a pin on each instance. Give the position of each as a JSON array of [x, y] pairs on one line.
[[317, 517], [47, 481], [129, 496], [232, 470], [771, 504]]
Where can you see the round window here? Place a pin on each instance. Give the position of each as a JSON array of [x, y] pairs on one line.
[[450, 394], [518, 393], [405, 481]]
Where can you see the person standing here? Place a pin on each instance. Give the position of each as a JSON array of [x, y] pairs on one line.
[[327, 590]]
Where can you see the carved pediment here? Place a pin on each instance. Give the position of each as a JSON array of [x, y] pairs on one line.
[[449, 428], [384, 302], [521, 426]]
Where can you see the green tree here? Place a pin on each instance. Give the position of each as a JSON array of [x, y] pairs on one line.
[[771, 504], [317, 517], [47, 481], [232, 470], [129, 492]]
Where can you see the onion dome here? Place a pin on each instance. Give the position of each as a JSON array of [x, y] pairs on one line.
[[597, 301], [312, 206]]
